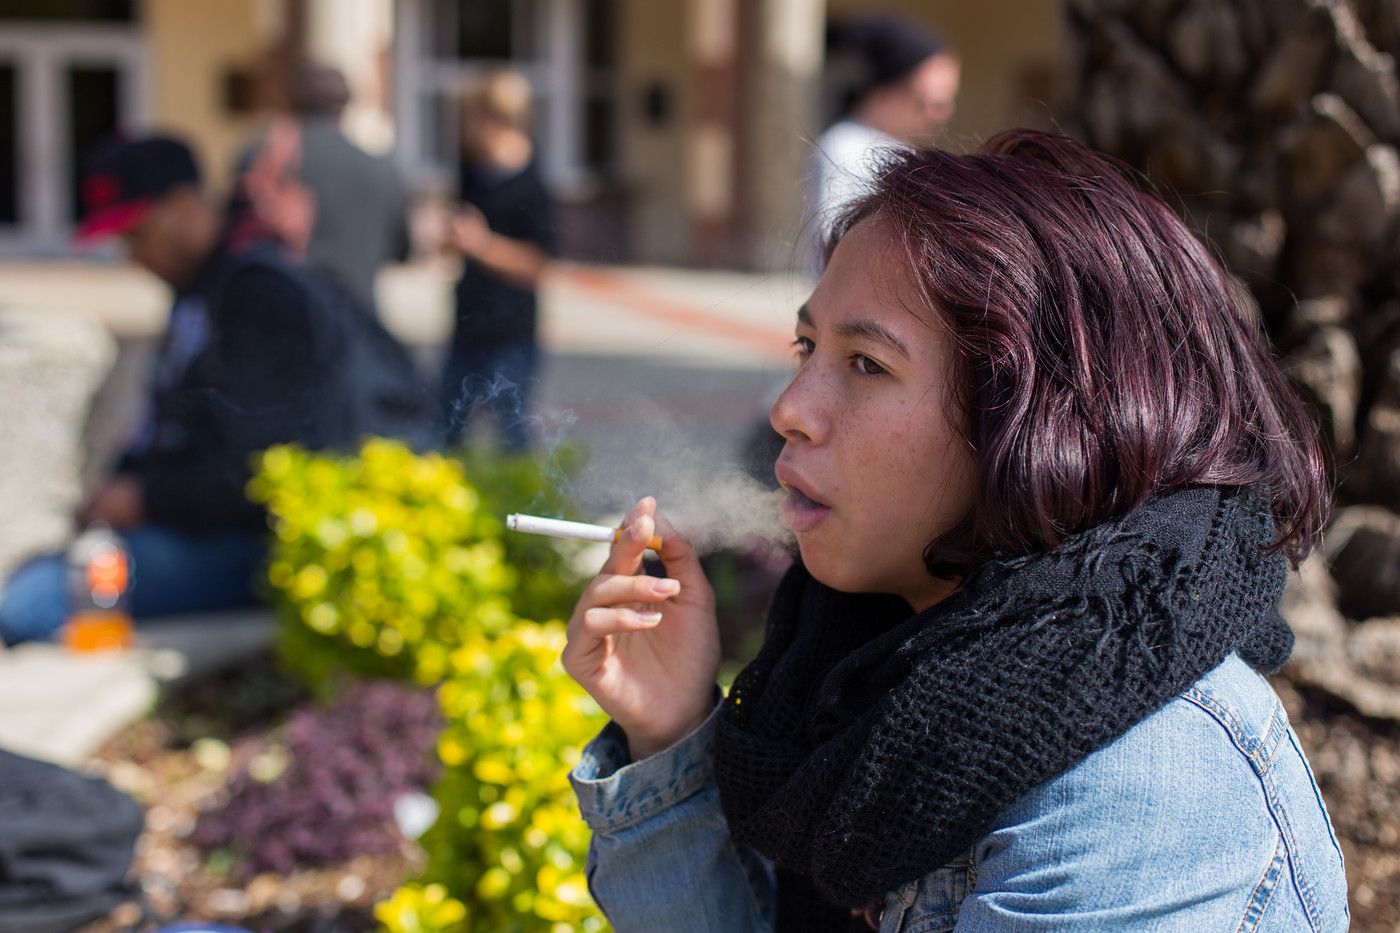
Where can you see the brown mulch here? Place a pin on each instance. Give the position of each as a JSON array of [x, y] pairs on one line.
[[177, 764], [1356, 760]]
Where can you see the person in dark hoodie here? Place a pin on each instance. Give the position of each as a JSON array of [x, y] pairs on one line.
[[248, 359]]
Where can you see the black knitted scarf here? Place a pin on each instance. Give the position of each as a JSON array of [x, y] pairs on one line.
[[864, 747]]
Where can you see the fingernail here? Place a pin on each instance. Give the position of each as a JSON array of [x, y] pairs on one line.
[[666, 587], [649, 618]]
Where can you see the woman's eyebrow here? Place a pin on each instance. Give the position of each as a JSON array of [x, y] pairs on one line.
[[870, 330], [873, 331]]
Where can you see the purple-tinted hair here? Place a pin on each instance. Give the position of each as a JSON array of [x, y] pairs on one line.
[[1103, 354]]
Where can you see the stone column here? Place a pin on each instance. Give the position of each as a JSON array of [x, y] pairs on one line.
[[711, 153], [781, 119], [354, 37]]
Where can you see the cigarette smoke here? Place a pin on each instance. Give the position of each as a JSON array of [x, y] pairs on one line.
[[502, 399], [700, 485], [635, 447], [725, 509]]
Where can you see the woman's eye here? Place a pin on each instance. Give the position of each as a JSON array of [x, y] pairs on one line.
[[866, 366], [804, 346]]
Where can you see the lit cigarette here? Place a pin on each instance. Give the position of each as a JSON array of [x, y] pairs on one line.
[[561, 529]]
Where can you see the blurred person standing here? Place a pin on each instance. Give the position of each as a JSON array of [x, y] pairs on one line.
[[899, 85], [359, 202], [504, 231], [254, 354]]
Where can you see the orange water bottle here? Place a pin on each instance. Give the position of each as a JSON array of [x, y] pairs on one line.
[[99, 576]]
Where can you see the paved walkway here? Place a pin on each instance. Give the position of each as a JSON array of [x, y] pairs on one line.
[[662, 374], [686, 315]]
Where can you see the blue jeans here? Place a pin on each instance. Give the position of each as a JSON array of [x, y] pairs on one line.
[[498, 377], [172, 572]]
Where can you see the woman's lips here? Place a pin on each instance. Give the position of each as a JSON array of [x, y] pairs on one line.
[[799, 512]]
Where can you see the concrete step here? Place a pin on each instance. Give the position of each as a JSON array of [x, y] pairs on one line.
[[61, 706]]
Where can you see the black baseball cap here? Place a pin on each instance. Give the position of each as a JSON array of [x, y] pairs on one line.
[[125, 177]]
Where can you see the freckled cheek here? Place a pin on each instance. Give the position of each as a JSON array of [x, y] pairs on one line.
[[877, 463]]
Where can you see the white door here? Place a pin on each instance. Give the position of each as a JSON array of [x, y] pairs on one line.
[[439, 43], [62, 88]]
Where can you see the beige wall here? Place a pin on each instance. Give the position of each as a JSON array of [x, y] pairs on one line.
[[1011, 52], [778, 113], [193, 44], [1009, 49], [782, 120], [654, 158]]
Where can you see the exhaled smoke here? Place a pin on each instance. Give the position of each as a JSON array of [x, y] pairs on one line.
[[693, 468], [634, 448], [728, 509]]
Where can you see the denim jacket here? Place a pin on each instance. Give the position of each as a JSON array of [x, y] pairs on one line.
[[1202, 817]]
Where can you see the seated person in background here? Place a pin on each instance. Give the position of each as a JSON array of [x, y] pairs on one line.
[[248, 359]]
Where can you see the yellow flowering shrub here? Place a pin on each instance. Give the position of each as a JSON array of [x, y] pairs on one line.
[[396, 563], [509, 840], [416, 908], [387, 556]]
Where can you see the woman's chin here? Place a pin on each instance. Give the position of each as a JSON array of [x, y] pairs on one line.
[[829, 569]]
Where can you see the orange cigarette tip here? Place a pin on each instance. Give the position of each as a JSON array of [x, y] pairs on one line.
[[654, 543]]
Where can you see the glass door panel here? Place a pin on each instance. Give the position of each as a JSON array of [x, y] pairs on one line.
[[94, 111], [9, 145], [68, 11]]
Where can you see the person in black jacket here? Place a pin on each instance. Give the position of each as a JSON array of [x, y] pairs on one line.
[[248, 359]]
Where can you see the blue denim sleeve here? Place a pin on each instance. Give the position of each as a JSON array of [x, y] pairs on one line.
[[661, 856], [1201, 817]]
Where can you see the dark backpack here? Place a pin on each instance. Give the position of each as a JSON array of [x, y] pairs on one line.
[[377, 390], [383, 393], [66, 843]]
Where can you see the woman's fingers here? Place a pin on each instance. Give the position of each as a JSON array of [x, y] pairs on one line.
[[616, 589], [598, 623], [683, 564], [590, 630], [638, 528], [675, 547], [654, 678], [607, 608]]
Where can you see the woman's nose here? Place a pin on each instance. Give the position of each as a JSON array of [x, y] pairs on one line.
[[797, 414]]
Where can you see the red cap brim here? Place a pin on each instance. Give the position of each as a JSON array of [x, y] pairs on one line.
[[113, 220]]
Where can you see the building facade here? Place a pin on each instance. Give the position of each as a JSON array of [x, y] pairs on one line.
[[672, 132]]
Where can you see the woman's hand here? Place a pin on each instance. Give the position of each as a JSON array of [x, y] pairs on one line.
[[646, 648]]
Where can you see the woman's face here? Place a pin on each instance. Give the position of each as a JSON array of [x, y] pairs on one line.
[[873, 467]]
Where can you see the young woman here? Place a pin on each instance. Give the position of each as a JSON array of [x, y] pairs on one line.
[[1045, 479], [505, 233]]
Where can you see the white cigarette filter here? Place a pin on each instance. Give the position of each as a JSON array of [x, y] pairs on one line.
[[558, 528]]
